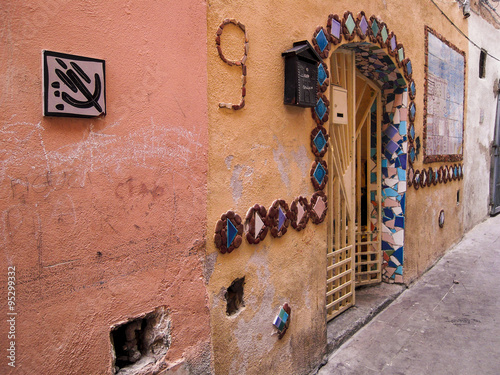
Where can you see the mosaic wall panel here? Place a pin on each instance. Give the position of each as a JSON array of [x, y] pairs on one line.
[[444, 100]]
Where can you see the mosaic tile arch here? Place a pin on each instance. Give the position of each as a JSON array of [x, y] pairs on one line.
[[241, 62], [384, 60]]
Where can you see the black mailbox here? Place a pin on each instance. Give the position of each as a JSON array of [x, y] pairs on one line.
[[301, 75]]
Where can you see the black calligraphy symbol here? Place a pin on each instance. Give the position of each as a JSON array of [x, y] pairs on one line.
[[74, 82]]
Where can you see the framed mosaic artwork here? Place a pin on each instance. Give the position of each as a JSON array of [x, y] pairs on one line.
[[444, 99]]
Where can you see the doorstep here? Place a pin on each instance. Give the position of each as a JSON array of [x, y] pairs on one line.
[[370, 300]]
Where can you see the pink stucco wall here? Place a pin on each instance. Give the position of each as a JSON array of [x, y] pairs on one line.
[[104, 218]]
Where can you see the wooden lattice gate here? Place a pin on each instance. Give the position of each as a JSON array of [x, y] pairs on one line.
[[354, 253]]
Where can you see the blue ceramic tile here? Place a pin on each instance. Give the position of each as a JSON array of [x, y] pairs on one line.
[[384, 163], [321, 40], [320, 108], [319, 174], [320, 141], [392, 264], [399, 222], [388, 213], [390, 192], [412, 155], [373, 195], [401, 174], [391, 131], [392, 147], [398, 254], [399, 270], [412, 88], [375, 27], [412, 110], [402, 128], [373, 177], [321, 74], [412, 131], [283, 315], [402, 201], [231, 232], [386, 246], [281, 219], [384, 34], [408, 67]]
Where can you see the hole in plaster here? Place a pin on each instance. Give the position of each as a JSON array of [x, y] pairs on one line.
[[234, 296], [458, 197], [139, 343]]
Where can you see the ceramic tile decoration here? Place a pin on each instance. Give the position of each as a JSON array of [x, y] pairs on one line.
[[321, 111], [319, 207], [241, 62], [282, 320], [384, 33], [319, 141], [334, 28], [374, 27], [255, 224], [323, 77], [348, 26], [73, 86], [363, 25], [319, 174], [441, 219], [278, 218], [321, 42], [228, 232], [444, 99], [299, 213]]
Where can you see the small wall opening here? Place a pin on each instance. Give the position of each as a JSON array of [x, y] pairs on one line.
[[140, 343], [482, 64], [234, 296], [458, 197]]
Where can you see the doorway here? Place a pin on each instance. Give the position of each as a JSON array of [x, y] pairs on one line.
[[354, 255]]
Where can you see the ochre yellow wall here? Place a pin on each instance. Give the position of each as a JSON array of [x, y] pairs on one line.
[[262, 153]]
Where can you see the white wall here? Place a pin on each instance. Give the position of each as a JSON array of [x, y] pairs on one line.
[[479, 128]]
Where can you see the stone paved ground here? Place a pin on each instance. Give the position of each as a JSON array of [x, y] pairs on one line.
[[448, 322]]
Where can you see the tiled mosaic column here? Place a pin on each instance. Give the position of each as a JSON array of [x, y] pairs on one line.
[[394, 159]]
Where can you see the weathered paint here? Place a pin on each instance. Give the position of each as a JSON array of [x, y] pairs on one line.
[[480, 127], [256, 155], [104, 218]]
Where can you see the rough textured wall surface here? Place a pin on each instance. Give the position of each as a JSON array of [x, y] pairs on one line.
[[261, 153], [481, 114], [425, 241], [104, 218]]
